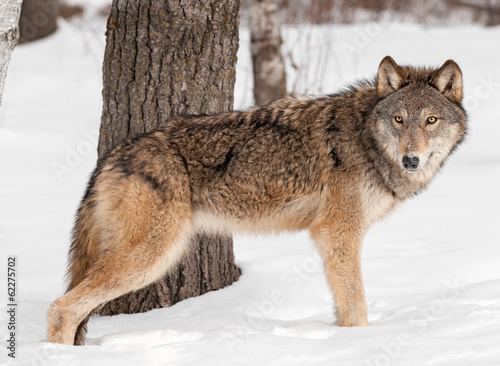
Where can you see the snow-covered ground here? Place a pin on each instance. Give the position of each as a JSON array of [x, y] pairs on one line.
[[431, 270]]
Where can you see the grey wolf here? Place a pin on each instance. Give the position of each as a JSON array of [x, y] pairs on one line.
[[332, 165]]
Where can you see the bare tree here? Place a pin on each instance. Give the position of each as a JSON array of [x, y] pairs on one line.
[[9, 35], [165, 58], [268, 68]]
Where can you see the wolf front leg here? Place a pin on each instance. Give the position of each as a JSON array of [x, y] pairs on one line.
[[340, 246]]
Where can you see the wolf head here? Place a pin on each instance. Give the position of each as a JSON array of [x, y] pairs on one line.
[[419, 118]]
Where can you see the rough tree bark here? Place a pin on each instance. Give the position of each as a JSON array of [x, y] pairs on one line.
[[265, 43], [9, 35], [38, 19], [165, 58]]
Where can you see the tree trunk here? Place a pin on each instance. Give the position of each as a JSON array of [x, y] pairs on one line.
[[269, 76], [38, 19], [9, 35], [165, 58]]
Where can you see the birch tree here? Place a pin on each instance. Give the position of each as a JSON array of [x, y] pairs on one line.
[[268, 68], [9, 35]]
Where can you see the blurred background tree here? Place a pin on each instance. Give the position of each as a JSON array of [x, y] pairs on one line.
[[9, 35], [269, 78], [432, 12], [38, 19]]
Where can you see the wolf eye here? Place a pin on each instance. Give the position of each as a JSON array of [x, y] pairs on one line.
[[398, 119], [431, 120]]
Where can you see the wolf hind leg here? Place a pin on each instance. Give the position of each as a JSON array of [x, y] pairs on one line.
[[126, 266], [81, 330]]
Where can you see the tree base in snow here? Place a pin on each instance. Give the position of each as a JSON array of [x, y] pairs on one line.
[[208, 266]]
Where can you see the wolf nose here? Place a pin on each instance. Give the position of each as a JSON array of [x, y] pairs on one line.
[[410, 162]]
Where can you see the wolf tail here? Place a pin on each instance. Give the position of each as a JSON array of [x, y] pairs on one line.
[[83, 254]]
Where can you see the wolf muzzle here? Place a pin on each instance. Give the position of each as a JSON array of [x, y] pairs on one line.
[[411, 162]]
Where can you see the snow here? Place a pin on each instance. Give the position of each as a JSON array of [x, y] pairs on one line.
[[431, 270]]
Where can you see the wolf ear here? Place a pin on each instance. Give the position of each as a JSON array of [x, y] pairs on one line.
[[448, 80], [390, 77]]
